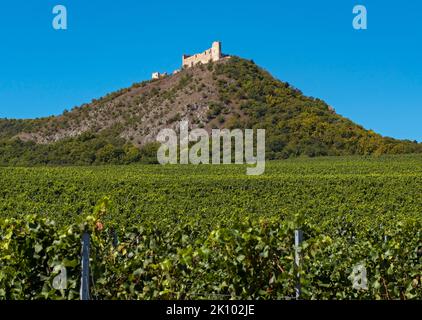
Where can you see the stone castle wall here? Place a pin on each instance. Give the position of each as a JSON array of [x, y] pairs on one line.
[[213, 54]]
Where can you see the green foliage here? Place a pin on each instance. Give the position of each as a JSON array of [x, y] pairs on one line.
[[295, 124], [215, 109], [86, 149], [193, 232], [250, 260], [33, 250]]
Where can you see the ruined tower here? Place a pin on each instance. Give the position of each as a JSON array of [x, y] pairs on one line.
[[213, 54]]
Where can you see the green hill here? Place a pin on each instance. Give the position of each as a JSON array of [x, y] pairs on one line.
[[121, 127]]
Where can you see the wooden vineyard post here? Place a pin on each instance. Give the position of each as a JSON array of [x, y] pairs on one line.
[[298, 242], [84, 292], [115, 238]]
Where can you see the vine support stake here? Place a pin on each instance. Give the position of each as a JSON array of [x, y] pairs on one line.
[[115, 238], [298, 242], [84, 292]]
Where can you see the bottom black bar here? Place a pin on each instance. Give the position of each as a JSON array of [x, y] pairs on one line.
[[212, 309]]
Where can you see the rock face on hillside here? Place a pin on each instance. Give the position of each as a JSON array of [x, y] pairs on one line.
[[231, 93]]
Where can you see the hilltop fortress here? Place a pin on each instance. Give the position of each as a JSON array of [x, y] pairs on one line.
[[188, 61], [213, 54]]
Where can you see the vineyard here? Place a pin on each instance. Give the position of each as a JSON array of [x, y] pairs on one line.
[[212, 232]]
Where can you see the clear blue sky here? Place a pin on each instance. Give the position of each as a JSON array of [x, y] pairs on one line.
[[373, 77]]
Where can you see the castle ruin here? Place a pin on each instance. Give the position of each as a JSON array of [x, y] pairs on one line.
[[213, 54], [158, 75], [188, 61]]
